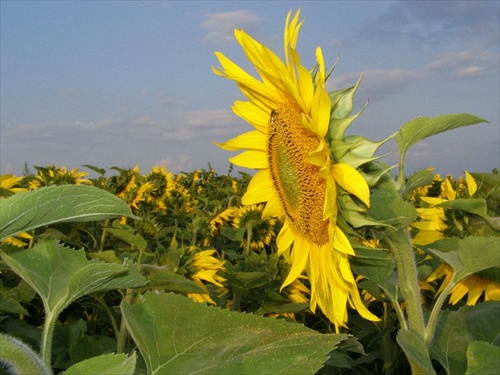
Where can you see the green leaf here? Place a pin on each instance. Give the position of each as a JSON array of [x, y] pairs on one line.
[[178, 336], [375, 264], [472, 205], [467, 256], [55, 204], [456, 330], [11, 305], [421, 178], [19, 358], [107, 364], [132, 239], [61, 275], [248, 280], [424, 127], [414, 347], [165, 279], [482, 358], [389, 208]]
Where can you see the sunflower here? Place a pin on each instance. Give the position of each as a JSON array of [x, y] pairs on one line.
[[204, 267], [259, 231], [163, 183], [296, 174], [435, 224]]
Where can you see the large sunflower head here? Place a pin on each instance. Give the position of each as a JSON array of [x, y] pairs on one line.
[[297, 176]]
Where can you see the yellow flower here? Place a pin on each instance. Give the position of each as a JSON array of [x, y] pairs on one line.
[[432, 225], [474, 286], [260, 231], [9, 183], [163, 185], [296, 177], [9, 186], [204, 267]]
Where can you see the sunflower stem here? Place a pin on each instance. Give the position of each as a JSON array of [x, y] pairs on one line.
[[436, 310], [401, 173], [123, 333], [400, 245]]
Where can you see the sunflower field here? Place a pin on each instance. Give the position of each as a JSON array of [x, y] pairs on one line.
[[325, 260]]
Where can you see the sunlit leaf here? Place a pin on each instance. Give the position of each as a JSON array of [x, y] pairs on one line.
[[61, 275], [55, 204], [424, 127], [178, 336]]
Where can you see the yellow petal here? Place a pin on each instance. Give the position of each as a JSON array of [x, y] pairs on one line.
[[351, 181], [330, 209], [273, 208], [253, 114], [253, 140], [471, 184], [251, 159], [427, 237], [341, 243], [260, 188], [285, 238], [300, 256]]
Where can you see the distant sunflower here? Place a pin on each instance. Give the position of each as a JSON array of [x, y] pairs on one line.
[[260, 231], [204, 267], [297, 178], [473, 286]]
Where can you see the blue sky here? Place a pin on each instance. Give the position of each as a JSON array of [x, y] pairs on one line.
[[130, 83]]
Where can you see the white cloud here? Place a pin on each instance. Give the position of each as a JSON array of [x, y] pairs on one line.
[[214, 118], [379, 83], [464, 64], [220, 26]]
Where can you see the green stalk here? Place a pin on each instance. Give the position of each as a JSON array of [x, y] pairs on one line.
[[436, 310], [401, 173], [122, 335], [387, 343], [103, 235], [47, 335], [400, 245]]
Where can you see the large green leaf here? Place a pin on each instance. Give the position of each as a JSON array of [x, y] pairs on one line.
[[61, 275], [456, 330], [424, 127], [32, 209], [107, 364], [178, 336]]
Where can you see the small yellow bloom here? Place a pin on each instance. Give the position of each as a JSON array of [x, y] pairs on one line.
[[205, 267]]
